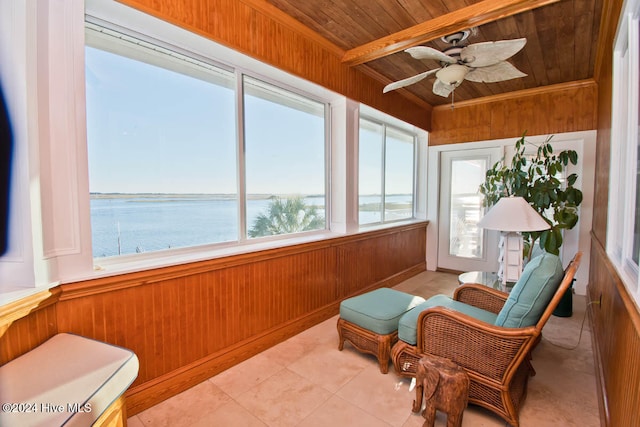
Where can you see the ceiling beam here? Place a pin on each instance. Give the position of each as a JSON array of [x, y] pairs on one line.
[[474, 15]]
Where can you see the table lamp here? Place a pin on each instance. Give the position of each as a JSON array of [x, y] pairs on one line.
[[511, 216]]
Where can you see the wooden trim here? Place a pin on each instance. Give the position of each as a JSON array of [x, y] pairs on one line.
[[611, 10], [114, 416], [147, 277], [577, 84], [18, 309], [474, 15]]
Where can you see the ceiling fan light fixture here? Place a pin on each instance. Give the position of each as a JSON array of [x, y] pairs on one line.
[[452, 74]]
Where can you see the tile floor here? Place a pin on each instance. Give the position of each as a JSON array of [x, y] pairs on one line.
[[306, 382]]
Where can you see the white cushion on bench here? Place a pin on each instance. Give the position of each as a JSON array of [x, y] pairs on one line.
[[68, 372]]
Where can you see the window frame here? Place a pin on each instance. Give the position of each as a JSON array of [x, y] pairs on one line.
[[244, 226], [624, 165], [180, 53], [397, 127]]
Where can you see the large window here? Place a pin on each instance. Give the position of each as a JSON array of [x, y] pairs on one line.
[[386, 173], [623, 241], [285, 158], [167, 167]]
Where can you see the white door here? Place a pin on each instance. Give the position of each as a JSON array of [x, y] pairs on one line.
[[462, 245]]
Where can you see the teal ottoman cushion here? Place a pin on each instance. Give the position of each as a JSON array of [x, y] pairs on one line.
[[378, 311], [532, 292], [408, 325]]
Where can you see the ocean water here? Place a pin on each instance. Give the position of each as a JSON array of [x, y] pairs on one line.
[[145, 223]]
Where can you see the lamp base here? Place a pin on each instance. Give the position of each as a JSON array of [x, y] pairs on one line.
[[510, 259]]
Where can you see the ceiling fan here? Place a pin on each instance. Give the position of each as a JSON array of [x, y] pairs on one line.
[[477, 62]]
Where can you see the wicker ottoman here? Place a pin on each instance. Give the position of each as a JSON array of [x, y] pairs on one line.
[[370, 321]]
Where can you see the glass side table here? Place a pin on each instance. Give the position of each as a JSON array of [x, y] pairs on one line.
[[485, 278]]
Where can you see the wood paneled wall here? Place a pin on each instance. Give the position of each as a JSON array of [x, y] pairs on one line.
[[260, 30], [616, 321], [188, 322], [616, 329], [561, 108]]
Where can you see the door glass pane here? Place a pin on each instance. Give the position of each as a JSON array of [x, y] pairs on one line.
[[398, 200], [466, 207], [370, 173]]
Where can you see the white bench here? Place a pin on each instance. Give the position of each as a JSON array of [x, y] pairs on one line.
[[67, 380]]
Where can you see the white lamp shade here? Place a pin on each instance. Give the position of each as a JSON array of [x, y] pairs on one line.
[[513, 214], [452, 74]]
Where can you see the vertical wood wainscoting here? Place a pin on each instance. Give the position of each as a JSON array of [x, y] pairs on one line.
[[189, 322], [616, 344]]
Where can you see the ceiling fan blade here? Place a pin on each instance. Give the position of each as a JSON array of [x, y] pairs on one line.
[[490, 53], [499, 72], [424, 52], [408, 81], [443, 89]]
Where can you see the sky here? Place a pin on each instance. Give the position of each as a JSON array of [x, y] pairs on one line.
[[153, 130]]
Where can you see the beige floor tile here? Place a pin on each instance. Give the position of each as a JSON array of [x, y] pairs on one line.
[[134, 422], [323, 335], [329, 368], [338, 412], [429, 283], [554, 394], [384, 396], [415, 420], [230, 414], [242, 377], [186, 408], [475, 416], [283, 399], [324, 332]]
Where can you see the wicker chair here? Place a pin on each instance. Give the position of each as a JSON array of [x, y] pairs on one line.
[[497, 359]]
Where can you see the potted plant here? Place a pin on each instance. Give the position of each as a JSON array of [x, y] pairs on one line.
[[539, 180]]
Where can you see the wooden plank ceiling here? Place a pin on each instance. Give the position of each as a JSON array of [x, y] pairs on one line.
[[561, 35]]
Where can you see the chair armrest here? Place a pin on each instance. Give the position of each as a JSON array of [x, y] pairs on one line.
[[481, 296], [487, 350]]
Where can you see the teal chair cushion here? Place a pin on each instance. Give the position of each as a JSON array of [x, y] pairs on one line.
[[408, 325], [378, 311], [532, 292]]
